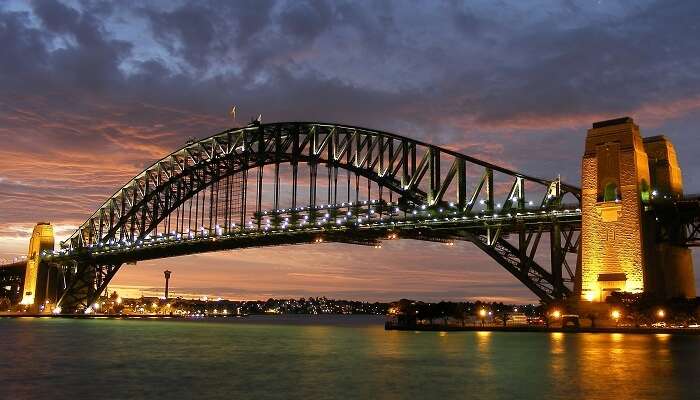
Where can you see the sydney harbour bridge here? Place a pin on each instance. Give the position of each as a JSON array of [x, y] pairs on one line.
[[308, 182]]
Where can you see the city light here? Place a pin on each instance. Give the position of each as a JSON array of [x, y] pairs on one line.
[[556, 314], [615, 314], [482, 313], [661, 313]]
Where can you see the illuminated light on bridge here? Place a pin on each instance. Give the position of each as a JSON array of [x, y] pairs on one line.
[[210, 195]]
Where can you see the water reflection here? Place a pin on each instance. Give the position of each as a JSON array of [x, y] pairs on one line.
[[621, 366], [483, 340], [251, 360]]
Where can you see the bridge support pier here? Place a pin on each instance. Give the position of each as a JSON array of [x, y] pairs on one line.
[[37, 273], [623, 177]]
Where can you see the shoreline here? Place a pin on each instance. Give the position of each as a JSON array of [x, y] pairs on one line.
[[544, 329], [387, 326], [118, 316]]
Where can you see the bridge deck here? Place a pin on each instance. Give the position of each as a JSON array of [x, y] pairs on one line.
[[442, 229]]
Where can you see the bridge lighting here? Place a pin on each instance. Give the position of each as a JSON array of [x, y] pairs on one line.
[[556, 314], [498, 205], [590, 296], [514, 198], [529, 203]]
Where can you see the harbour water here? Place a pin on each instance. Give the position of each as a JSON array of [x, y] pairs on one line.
[[306, 357]]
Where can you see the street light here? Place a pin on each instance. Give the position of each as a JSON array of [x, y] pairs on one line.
[[615, 314], [482, 314], [661, 313]]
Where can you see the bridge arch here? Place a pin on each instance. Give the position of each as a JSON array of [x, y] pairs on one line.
[[429, 182], [394, 162]]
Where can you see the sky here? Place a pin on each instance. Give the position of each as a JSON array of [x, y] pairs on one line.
[[91, 92]]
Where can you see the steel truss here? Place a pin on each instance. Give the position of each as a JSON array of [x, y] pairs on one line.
[[200, 192], [677, 221]]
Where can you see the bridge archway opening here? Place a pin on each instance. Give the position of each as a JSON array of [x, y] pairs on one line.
[[401, 268]]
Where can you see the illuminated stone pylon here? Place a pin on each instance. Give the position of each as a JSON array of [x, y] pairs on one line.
[[42, 239], [619, 251]]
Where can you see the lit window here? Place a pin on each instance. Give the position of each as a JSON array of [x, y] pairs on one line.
[[611, 193]]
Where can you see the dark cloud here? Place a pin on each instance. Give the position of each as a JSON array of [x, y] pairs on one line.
[[305, 20], [24, 52], [187, 32]]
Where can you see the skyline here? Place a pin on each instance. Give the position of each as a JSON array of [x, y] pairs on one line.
[[96, 92]]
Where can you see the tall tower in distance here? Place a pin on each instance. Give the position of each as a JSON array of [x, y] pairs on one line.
[[167, 282], [621, 176]]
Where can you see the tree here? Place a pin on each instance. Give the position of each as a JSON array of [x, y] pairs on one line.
[[442, 310], [458, 311], [505, 315]]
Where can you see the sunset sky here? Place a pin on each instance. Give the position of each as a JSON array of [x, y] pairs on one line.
[[92, 92]]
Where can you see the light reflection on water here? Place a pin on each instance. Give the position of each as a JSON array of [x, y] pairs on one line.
[[334, 357]]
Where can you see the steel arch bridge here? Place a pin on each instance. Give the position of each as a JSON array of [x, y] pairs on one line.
[[310, 182]]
